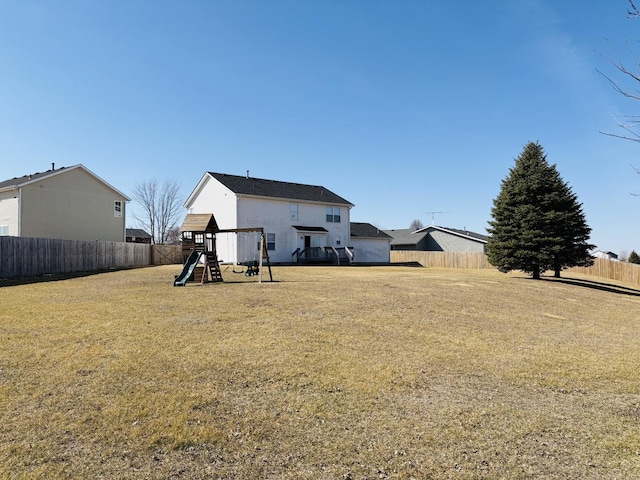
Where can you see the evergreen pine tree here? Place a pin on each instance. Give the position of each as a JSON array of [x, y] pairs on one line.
[[633, 257], [537, 222]]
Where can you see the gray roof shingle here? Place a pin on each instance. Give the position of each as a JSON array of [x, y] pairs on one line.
[[405, 236], [409, 236], [137, 232], [366, 230], [17, 181], [273, 188]]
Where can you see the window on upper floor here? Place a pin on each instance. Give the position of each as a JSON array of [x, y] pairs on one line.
[[293, 212], [117, 208], [333, 214], [4, 230]]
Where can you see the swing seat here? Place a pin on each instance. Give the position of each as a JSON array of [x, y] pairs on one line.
[[237, 271], [252, 268]]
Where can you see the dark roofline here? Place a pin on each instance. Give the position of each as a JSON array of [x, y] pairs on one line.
[[136, 232], [260, 187], [304, 228], [462, 233], [29, 177], [19, 182], [367, 230]]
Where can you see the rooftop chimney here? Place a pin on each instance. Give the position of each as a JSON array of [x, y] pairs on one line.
[[247, 174], [53, 166]]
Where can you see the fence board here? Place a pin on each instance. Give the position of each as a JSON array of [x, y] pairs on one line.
[[469, 260], [602, 267], [31, 257]]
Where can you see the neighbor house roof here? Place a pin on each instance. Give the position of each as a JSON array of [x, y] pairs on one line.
[[366, 230], [410, 236], [19, 182], [603, 254], [463, 233], [406, 236], [246, 185], [137, 233]]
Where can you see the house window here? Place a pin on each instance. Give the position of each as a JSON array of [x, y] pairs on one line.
[[117, 208], [271, 241], [4, 230], [333, 214], [293, 212], [337, 240]]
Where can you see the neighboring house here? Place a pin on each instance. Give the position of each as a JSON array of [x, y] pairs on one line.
[[66, 203], [137, 235], [437, 239], [606, 255], [370, 244], [299, 221]]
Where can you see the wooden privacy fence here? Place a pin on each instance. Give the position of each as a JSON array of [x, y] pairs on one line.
[[32, 257], [166, 254], [602, 267], [611, 269], [473, 260]]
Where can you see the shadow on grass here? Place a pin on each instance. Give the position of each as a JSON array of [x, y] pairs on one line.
[[604, 287], [12, 282]]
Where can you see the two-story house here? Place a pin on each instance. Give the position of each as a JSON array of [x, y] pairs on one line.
[[69, 203], [296, 218]]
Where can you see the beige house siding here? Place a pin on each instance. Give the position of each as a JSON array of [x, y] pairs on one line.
[[73, 205], [453, 243], [9, 205]]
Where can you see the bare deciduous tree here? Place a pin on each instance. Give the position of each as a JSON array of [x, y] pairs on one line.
[[416, 224], [161, 207], [630, 70], [173, 237]]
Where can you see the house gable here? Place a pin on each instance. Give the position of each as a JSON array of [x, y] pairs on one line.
[[67, 203], [34, 178]]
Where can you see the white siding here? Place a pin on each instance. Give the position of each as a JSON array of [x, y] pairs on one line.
[[217, 199], [9, 214], [371, 250], [274, 216]]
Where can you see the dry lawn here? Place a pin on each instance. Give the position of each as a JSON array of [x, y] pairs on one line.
[[327, 373]]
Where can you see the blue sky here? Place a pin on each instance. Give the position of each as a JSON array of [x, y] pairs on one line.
[[402, 107]]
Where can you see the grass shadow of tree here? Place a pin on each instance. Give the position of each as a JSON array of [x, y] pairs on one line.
[[602, 286]]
